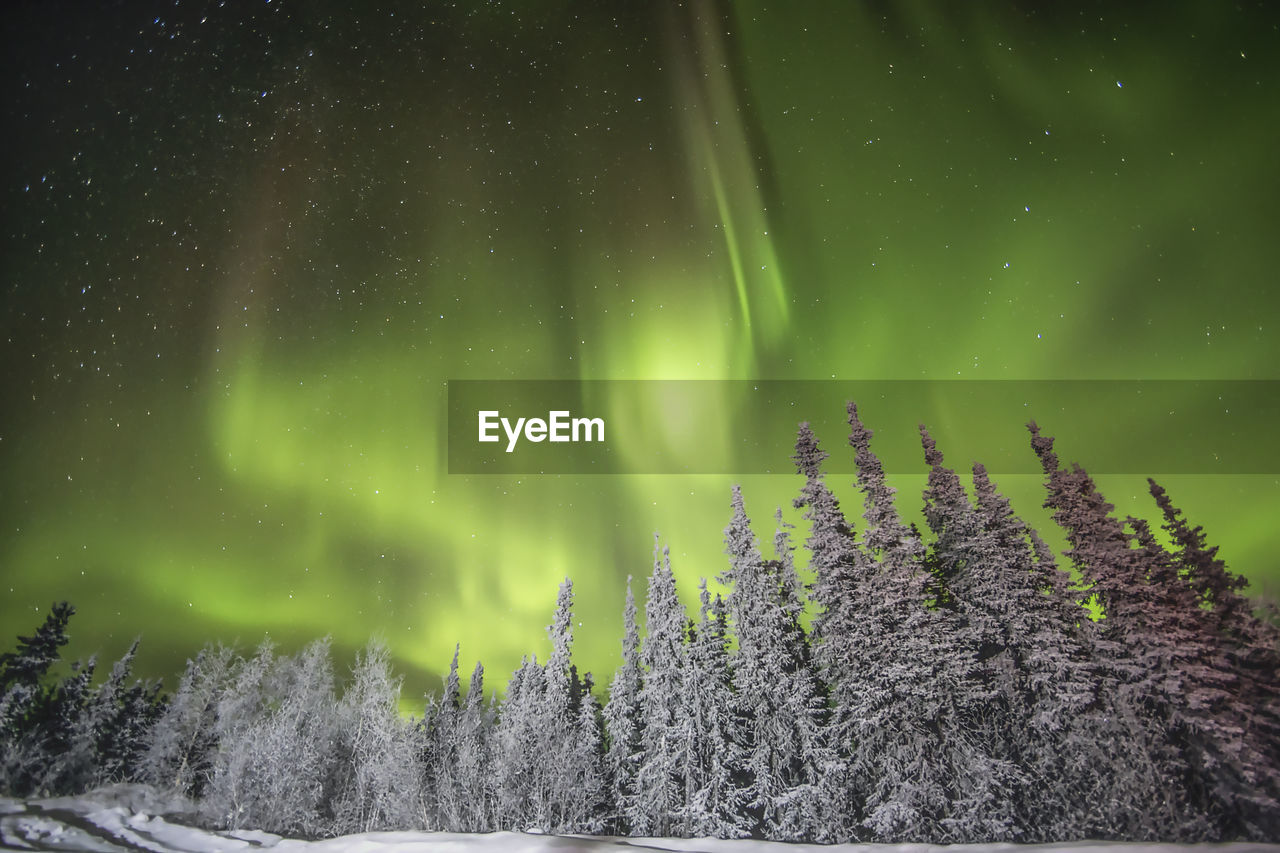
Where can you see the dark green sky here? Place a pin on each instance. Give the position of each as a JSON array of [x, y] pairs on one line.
[[246, 244]]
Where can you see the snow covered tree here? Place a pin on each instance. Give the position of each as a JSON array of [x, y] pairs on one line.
[[567, 766], [443, 785], [27, 706], [120, 716], [777, 703], [1059, 727], [585, 810], [988, 588], [554, 723], [228, 801], [622, 723], [518, 798], [1231, 765], [377, 783], [1140, 650], [108, 734], [1251, 648], [804, 809], [35, 654], [709, 753], [62, 767], [474, 759], [182, 744], [288, 749], [548, 763], [840, 570], [1037, 710], [659, 788], [956, 529], [925, 775]]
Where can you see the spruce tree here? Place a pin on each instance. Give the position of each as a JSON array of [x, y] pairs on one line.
[[1251, 648], [896, 706], [982, 592], [707, 731], [108, 735], [585, 809], [659, 786], [441, 755], [623, 723], [555, 723], [806, 811], [1138, 649], [27, 706], [475, 783], [566, 763], [777, 703], [26, 666], [840, 570], [924, 774], [1058, 728], [62, 768], [520, 801], [1220, 743]]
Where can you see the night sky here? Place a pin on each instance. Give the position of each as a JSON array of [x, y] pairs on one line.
[[247, 244]]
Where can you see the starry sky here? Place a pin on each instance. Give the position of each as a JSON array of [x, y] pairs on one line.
[[246, 245]]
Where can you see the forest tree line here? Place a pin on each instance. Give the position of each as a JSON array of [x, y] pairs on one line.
[[952, 687]]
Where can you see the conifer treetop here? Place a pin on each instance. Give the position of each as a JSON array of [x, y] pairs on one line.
[[38, 652], [932, 456], [808, 456]]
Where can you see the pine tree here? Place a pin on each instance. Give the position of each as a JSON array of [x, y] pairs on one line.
[[441, 755], [1232, 771], [1058, 725], [475, 784], [805, 810], [566, 765], [956, 529], [925, 776], [1039, 713], [709, 752], [622, 723], [659, 787], [35, 654], [519, 801], [554, 722], [107, 735], [989, 588], [1252, 654], [777, 703], [27, 706], [63, 769], [1137, 647], [586, 811], [840, 569]]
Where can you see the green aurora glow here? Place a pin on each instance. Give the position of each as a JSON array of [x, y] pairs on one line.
[[247, 246]]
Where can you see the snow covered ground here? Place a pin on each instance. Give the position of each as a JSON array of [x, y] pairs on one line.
[[125, 818]]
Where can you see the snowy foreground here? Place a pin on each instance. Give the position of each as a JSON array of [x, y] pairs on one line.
[[125, 818]]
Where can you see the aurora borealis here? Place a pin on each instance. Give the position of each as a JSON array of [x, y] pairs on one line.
[[247, 245]]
